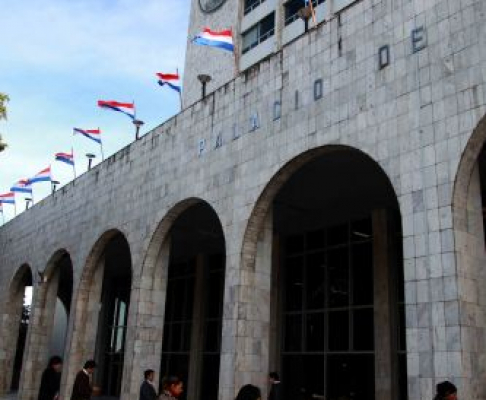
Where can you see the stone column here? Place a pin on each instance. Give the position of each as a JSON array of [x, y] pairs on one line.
[[275, 305], [145, 333], [10, 322], [383, 257], [197, 330], [246, 319], [83, 326], [37, 342]]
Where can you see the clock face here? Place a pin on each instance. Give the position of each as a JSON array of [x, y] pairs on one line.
[[210, 5]]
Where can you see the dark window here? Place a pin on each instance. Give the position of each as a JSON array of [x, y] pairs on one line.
[[250, 5], [259, 33], [292, 7], [328, 324], [179, 318]]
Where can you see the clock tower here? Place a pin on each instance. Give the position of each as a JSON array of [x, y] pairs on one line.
[[219, 64]]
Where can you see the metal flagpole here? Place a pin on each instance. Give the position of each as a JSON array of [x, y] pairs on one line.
[[235, 52], [180, 94], [101, 145], [74, 164], [15, 207]]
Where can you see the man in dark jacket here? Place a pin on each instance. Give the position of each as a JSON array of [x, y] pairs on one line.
[[275, 387], [51, 380], [82, 386], [147, 390]]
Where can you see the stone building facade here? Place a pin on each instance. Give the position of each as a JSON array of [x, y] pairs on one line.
[[359, 144]]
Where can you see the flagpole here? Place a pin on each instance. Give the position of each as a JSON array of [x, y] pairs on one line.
[[15, 207], [235, 52], [180, 94], [74, 164], [101, 145]]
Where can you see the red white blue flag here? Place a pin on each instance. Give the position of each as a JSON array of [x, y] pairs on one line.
[[171, 80], [222, 39], [125, 108], [42, 176], [93, 134], [7, 198], [67, 158], [22, 186]]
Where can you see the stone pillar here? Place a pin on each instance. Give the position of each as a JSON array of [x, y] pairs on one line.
[[275, 305], [36, 353], [246, 319], [197, 331], [10, 322], [146, 329], [383, 253], [83, 326]]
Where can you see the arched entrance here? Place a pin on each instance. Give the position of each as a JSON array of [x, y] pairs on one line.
[[194, 302], [328, 225], [467, 265], [101, 320], [51, 313], [113, 316], [15, 323]]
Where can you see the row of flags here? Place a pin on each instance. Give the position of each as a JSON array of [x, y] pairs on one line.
[[222, 40]]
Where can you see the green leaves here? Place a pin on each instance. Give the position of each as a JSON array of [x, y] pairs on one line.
[[3, 115]]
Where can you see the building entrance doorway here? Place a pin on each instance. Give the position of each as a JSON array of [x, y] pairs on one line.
[[194, 304], [338, 303]]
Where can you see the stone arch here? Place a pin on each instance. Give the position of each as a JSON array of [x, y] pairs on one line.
[[465, 170], [86, 305], [466, 265], [265, 199], [50, 314], [161, 232], [12, 312], [260, 256], [153, 281]]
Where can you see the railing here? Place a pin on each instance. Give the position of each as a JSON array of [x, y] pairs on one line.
[[251, 7], [259, 40]]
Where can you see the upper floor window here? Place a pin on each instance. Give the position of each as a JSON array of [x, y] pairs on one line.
[[250, 5], [258, 33], [292, 7]]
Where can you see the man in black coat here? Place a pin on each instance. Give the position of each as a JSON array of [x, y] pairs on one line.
[[82, 386], [51, 380], [147, 389], [275, 387]]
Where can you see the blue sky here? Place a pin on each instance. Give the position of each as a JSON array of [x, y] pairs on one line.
[[58, 57]]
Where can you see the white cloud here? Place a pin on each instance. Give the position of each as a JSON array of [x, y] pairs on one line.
[[57, 57], [94, 37]]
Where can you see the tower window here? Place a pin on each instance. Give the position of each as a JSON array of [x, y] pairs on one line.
[[259, 33], [250, 5], [292, 7]]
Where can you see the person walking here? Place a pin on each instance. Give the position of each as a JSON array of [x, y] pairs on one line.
[[275, 386], [446, 391], [147, 389], [172, 388], [82, 388], [51, 380]]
